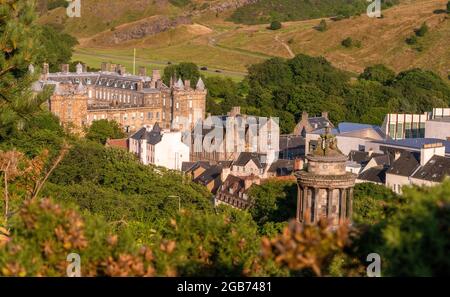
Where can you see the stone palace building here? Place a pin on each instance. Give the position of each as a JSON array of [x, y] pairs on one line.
[[133, 101]]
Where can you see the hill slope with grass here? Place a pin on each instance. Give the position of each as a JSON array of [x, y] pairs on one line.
[[201, 32]]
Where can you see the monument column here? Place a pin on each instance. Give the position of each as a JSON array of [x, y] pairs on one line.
[[350, 204], [325, 171], [329, 202]]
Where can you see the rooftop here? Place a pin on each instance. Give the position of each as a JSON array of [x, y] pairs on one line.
[[435, 170], [415, 143]]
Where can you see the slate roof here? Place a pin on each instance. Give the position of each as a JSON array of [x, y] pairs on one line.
[[381, 159], [375, 174], [282, 167], [209, 175], [105, 79], [225, 164], [153, 137], [319, 123], [359, 157], [190, 166], [186, 166], [234, 182], [291, 142], [435, 170], [245, 157], [406, 164]]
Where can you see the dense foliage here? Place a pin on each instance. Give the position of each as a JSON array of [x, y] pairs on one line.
[[183, 71], [275, 25], [18, 49], [373, 203], [414, 239], [58, 47], [52, 4], [274, 204], [265, 11], [102, 130], [61, 194], [289, 87]]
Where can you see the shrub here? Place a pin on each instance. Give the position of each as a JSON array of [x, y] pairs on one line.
[[422, 31], [275, 25], [347, 42], [322, 27], [379, 73], [411, 40]]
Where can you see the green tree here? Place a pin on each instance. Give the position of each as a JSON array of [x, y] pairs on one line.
[[412, 40], [103, 180], [373, 203], [347, 42], [274, 201], [413, 240], [183, 71], [275, 25], [102, 130], [57, 47], [18, 49], [322, 27], [424, 90], [448, 7], [209, 244], [379, 73]]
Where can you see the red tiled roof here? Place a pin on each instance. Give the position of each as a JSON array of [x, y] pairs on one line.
[[118, 143]]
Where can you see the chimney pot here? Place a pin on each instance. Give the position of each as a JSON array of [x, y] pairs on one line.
[[325, 114], [140, 86], [65, 68], [156, 75], [298, 164], [45, 68], [304, 116], [142, 71]]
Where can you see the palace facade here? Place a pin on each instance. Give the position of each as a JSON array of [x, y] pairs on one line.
[[133, 101]]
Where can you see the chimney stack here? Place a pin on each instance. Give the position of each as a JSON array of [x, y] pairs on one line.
[[65, 68], [429, 150], [45, 69], [298, 164], [142, 71], [304, 116], [156, 75], [325, 114], [104, 67], [187, 84], [79, 68], [158, 84], [121, 69], [140, 86], [235, 110]]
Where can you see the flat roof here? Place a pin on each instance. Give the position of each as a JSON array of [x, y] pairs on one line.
[[414, 143]]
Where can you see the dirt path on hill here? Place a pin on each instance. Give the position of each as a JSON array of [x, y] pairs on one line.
[[286, 46]]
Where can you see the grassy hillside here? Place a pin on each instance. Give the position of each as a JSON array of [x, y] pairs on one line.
[[382, 40], [265, 11], [213, 41], [98, 16]]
